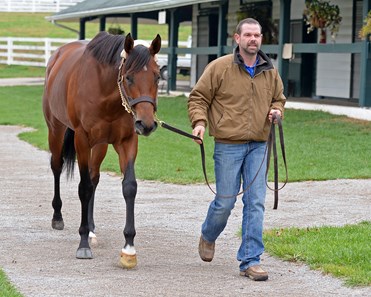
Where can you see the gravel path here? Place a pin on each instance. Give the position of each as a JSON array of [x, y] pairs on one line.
[[41, 261]]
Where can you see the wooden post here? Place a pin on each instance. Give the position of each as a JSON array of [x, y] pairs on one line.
[[284, 37], [365, 82]]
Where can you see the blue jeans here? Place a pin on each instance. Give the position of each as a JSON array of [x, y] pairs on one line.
[[234, 162]]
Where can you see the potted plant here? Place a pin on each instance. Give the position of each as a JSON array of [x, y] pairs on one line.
[[366, 28], [321, 14]]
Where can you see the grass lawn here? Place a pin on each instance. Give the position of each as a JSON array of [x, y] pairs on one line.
[[35, 25], [320, 146], [13, 71], [6, 288], [344, 252]]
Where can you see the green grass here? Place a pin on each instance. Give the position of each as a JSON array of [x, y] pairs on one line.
[[6, 288], [344, 252], [35, 25], [319, 146], [12, 71]]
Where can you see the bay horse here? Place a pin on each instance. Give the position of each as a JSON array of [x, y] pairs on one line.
[[98, 93]]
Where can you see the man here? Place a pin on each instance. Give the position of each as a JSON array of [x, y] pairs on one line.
[[236, 97]]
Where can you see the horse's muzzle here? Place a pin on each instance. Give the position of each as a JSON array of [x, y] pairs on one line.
[[144, 129]]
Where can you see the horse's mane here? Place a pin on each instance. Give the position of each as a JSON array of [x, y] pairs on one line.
[[106, 48]]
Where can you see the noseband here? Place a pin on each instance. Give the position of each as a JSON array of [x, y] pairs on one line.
[[127, 101]]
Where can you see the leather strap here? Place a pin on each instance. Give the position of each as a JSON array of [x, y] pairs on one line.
[[270, 143]]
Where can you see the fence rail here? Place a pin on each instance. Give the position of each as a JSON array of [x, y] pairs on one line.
[[36, 5], [37, 51], [28, 51]]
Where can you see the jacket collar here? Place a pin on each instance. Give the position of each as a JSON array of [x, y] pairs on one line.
[[263, 64]]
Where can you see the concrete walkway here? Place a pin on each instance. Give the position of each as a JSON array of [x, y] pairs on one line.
[[41, 261]]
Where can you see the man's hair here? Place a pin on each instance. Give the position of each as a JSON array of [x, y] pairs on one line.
[[247, 21]]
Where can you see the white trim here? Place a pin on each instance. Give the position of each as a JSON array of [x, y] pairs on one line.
[[131, 8]]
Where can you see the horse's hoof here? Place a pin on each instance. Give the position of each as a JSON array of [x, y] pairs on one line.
[[128, 261], [93, 239], [58, 225], [84, 253]]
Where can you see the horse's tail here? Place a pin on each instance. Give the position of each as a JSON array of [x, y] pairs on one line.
[[69, 152]]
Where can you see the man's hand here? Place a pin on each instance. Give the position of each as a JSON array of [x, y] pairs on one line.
[[199, 131], [270, 116]]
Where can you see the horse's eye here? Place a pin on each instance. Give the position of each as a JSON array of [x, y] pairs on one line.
[[129, 79], [157, 78]]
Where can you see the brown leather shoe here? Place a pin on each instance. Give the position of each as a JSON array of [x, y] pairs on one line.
[[206, 250], [256, 273]]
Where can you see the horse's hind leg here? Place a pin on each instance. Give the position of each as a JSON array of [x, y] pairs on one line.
[[86, 190], [55, 139], [98, 153]]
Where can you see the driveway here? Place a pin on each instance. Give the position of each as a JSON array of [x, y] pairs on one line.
[[41, 261]]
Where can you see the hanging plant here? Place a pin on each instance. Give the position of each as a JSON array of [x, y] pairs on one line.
[[116, 30], [366, 28], [321, 14]]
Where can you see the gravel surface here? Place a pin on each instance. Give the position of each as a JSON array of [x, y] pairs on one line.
[[41, 261]]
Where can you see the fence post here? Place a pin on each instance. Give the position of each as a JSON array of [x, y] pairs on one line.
[[10, 51], [48, 50]]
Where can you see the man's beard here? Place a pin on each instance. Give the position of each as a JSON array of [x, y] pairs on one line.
[[251, 51]]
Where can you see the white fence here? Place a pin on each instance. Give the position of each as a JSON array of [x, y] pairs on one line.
[[28, 51], [37, 51], [36, 5]]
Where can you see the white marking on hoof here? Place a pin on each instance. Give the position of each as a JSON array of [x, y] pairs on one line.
[[129, 250], [93, 239]]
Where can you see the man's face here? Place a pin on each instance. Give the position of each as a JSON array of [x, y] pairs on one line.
[[250, 39]]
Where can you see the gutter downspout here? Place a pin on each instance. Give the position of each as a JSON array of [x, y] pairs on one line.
[[66, 27]]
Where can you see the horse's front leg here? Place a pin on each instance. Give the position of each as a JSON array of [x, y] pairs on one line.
[[86, 190], [128, 257], [129, 190]]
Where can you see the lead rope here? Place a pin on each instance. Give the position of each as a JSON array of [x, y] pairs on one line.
[[271, 141]]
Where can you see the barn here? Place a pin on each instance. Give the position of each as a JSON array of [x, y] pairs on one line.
[[338, 68]]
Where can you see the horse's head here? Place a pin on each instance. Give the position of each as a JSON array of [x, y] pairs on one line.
[[139, 82]]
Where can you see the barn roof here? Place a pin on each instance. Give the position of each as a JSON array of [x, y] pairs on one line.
[[93, 8]]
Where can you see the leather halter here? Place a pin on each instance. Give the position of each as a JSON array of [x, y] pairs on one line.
[[127, 101]]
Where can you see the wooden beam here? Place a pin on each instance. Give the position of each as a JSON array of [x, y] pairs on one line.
[[284, 37], [365, 81]]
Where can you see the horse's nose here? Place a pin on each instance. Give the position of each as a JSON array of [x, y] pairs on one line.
[[142, 128]]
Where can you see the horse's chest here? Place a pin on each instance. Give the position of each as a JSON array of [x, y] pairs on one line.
[[110, 132]]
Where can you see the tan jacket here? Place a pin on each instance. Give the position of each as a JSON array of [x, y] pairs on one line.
[[234, 104]]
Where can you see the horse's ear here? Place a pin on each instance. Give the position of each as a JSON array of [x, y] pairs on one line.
[[155, 45], [129, 43]]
